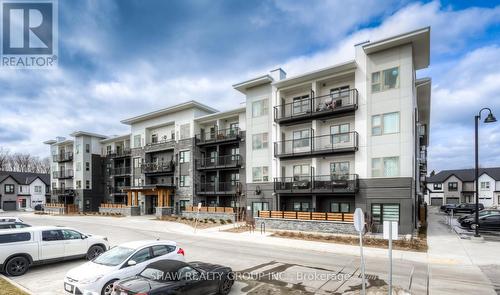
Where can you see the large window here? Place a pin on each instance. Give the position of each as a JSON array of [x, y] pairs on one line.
[[301, 206], [339, 92], [38, 188], [340, 133], [301, 138], [184, 156], [340, 207], [438, 186], [385, 167], [385, 123], [301, 171], [386, 79], [339, 168], [301, 104], [260, 174], [259, 206], [259, 141], [9, 188], [137, 140], [452, 186], [154, 138], [184, 180], [259, 108], [385, 212], [485, 185]]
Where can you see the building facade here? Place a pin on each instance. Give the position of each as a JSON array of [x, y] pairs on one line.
[[351, 135], [23, 190], [458, 186]]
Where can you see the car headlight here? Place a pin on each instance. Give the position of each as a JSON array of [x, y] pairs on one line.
[[91, 280]]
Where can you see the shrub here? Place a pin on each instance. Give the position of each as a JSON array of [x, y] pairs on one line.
[[222, 221], [229, 221]]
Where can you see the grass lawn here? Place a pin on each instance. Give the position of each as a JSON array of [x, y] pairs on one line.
[[7, 288]]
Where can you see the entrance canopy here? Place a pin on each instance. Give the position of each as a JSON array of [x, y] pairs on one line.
[[163, 192]]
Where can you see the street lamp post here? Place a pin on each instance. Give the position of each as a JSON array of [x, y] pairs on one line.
[[489, 119]]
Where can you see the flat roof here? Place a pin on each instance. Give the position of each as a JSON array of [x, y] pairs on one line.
[[420, 40], [243, 86], [169, 110], [116, 138], [338, 68], [85, 133], [53, 141], [221, 114]]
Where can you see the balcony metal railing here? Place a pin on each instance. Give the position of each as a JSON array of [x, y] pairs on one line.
[[63, 191], [219, 162], [63, 174], [120, 171], [119, 153], [158, 167], [63, 157], [218, 135], [117, 189], [335, 183], [232, 187], [323, 144], [312, 107]]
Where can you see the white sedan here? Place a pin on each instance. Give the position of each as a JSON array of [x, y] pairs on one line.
[[96, 277]]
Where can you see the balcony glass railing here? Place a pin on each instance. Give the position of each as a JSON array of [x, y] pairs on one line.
[[120, 171], [329, 143], [158, 167], [67, 156], [219, 162], [219, 187], [63, 191], [218, 135], [63, 173], [335, 183]]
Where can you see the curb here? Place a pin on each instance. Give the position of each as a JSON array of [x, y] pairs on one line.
[[10, 281]]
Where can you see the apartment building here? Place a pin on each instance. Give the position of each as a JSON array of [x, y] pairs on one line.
[[23, 190], [458, 186], [347, 136], [77, 175]]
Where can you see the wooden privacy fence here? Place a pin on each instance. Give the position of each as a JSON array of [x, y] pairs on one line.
[[210, 209], [321, 216], [105, 205], [67, 208]]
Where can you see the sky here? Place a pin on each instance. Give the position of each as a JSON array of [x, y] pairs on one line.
[[121, 58]]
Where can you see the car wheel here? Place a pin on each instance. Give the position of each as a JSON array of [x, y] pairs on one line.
[[225, 286], [17, 266], [94, 251], [472, 226], [108, 288]]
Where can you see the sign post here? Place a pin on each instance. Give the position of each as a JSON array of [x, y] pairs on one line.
[[390, 233], [197, 216], [359, 225]]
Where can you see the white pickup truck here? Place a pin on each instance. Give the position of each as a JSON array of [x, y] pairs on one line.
[[21, 248]]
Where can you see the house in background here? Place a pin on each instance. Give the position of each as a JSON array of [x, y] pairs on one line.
[[458, 186], [23, 190]]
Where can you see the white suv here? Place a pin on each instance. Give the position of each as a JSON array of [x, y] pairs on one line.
[[21, 248]]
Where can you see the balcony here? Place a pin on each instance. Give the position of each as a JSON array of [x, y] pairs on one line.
[[117, 190], [120, 153], [218, 188], [158, 167], [320, 107], [120, 171], [221, 162], [160, 145], [63, 174], [339, 143], [67, 191], [319, 184], [63, 157], [218, 136]]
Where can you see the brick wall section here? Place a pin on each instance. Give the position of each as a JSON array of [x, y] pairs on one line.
[[306, 225]]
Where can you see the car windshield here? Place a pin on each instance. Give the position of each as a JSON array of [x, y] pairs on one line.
[[114, 256], [158, 275]]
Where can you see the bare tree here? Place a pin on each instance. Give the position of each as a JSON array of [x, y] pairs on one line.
[[23, 162], [4, 158]]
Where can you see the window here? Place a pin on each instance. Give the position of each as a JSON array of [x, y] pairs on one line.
[[71, 235], [87, 166], [485, 185], [184, 180], [87, 148], [78, 184], [160, 250], [339, 168], [21, 189], [340, 133], [260, 174], [385, 167], [259, 141], [259, 108], [438, 186], [137, 140], [141, 255], [235, 178], [301, 206], [234, 126], [108, 150], [87, 184], [301, 138], [385, 212], [259, 206], [301, 104], [12, 238], [185, 131], [339, 92], [154, 138], [452, 186], [340, 207], [301, 171], [77, 147], [52, 235], [386, 79], [38, 188], [184, 157], [9, 188], [385, 123]]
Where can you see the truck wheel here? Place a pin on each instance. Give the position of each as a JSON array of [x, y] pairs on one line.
[[17, 266], [94, 251]]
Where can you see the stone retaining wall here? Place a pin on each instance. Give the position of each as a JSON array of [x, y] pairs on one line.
[[125, 211], [335, 227], [164, 211], [208, 215]]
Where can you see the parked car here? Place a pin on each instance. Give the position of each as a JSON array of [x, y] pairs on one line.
[[481, 213], [123, 261], [39, 207], [488, 222], [22, 248], [175, 277], [10, 225], [468, 208], [446, 207], [10, 219]]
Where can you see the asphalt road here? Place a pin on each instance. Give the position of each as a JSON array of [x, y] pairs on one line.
[[275, 270]]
